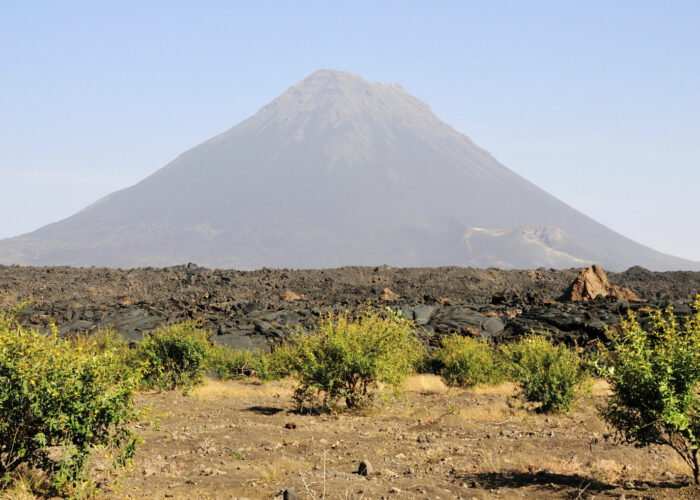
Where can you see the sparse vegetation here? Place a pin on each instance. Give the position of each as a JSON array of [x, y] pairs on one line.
[[467, 361], [73, 395], [655, 380], [57, 403], [276, 365], [551, 375], [229, 364], [348, 358]]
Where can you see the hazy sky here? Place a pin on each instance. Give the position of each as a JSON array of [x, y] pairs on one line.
[[596, 102]]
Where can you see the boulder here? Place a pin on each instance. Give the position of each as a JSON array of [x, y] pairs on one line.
[[466, 321], [365, 468], [422, 314], [492, 326], [388, 295], [288, 295], [290, 494], [591, 283], [242, 341]]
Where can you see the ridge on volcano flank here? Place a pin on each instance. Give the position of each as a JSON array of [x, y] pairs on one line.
[[335, 171]]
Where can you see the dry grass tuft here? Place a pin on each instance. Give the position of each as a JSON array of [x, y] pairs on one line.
[[503, 389], [217, 389], [673, 463], [495, 412], [24, 487], [271, 472], [606, 470], [18, 493], [426, 384]]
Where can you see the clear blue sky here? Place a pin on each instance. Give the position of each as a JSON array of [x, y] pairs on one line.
[[596, 102]]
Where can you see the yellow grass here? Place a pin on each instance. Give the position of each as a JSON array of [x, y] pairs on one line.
[[17, 493], [503, 389], [606, 470], [426, 384], [22, 488], [272, 471], [495, 412], [673, 463], [217, 389]]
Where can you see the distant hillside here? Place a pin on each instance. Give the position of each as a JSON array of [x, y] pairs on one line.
[[336, 171]]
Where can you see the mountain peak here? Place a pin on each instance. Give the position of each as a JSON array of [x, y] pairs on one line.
[[328, 86], [332, 75], [343, 107]]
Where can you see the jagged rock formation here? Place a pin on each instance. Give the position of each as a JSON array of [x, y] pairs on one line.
[[250, 309], [592, 282], [289, 296], [389, 296], [336, 171]]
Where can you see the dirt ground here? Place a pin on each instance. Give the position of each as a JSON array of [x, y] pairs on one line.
[[243, 440]]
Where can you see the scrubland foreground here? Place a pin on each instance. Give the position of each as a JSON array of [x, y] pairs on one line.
[[241, 439], [325, 415]]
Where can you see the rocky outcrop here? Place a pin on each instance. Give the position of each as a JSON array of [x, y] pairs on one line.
[[389, 296], [289, 296], [251, 310], [591, 283]]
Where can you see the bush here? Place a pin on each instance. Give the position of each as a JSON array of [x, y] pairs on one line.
[[347, 359], [466, 361], [277, 364], [126, 364], [230, 363], [175, 356], [655, 382], [55, 395], [548, 374]]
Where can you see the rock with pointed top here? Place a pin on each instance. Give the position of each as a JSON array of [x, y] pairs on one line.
[[592, 282]]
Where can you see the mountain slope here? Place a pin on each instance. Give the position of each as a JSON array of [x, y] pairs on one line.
[[335, 171]]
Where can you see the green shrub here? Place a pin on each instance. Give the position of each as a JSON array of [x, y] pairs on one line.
[[174, 356], [466, 361], [126, 364], [549, 374], [655, 382], [348, 359], [277, 364], [55, 395], [230, 363]]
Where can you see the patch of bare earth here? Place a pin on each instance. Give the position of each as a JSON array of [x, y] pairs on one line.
[[243, 440]]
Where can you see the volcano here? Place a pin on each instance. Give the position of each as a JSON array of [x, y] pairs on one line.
[[336, 171]]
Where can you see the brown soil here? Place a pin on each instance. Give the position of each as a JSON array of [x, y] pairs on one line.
[[242, 440]]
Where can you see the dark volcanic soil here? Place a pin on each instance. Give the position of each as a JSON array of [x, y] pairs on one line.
[[248, 309]]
